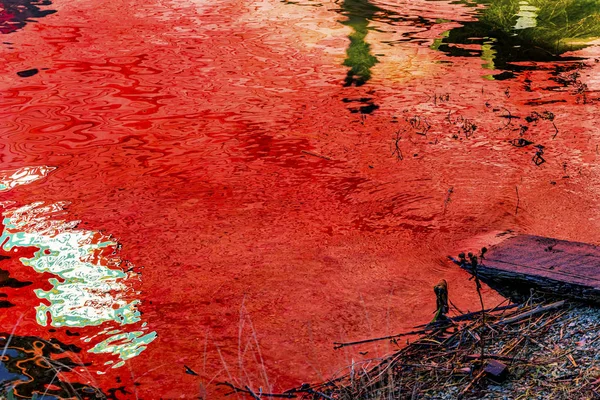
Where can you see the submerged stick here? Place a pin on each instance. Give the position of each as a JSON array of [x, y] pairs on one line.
[[310, 153], [250, 392], [339, 345]]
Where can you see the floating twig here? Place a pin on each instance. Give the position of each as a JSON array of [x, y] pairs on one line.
[[339, 345], [448, 198], [310, 153], [397, 151], [250, 392], [537, 158], [518, 200]]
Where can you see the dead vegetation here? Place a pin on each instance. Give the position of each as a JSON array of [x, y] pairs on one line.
[[523, 352], [538, 349]]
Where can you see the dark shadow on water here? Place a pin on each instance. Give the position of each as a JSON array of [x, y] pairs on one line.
[[15, 14], [6, 281]]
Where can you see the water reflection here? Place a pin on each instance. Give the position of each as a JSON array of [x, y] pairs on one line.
[[509, 32], [201, 156], [89, 288], [504, 34], [360, 16], [22, 176], [31, 368], [7, 281], [358, 55], [15, 14]]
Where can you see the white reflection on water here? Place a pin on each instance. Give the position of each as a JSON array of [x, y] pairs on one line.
[[90, 287], [22, 176], [527, 16]]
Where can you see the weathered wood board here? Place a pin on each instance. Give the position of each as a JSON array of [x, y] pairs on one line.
[[561, 267]]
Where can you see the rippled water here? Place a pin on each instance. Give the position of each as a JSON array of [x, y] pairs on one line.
[[226, 188]]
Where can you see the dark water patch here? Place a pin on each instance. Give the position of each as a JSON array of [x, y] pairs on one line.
[[366, 109], [361, 100], [15, 14], [366, 105], [112, 393], [7, 281], [28, 72], [31, 366], [307, 3], [503, 76]]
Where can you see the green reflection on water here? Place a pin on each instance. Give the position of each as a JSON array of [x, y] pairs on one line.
[[504, 33], [358, 55], [511, 31]]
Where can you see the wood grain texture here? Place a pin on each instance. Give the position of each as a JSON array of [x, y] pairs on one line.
[[560, 267]]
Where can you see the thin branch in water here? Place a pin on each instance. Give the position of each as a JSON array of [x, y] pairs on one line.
[[448, 198], [555, 129], [339, 345], [134, 382], [396, 151], [537, 158], [254, 395], [310, 153], [250, 392], [518, 200], [475, 265], [11, 336]]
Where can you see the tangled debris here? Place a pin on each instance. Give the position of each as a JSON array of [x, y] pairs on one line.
[[536, 350], [540, 349]]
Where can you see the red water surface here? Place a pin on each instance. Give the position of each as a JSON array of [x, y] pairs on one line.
[[191, 131]]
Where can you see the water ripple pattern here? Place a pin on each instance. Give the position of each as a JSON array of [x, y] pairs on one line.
[[292, 173]]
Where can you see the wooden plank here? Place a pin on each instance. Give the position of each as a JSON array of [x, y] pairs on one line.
[[560, 260], [561, 267]]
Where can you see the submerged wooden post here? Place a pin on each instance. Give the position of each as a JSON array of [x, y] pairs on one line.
[[441, 294]]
